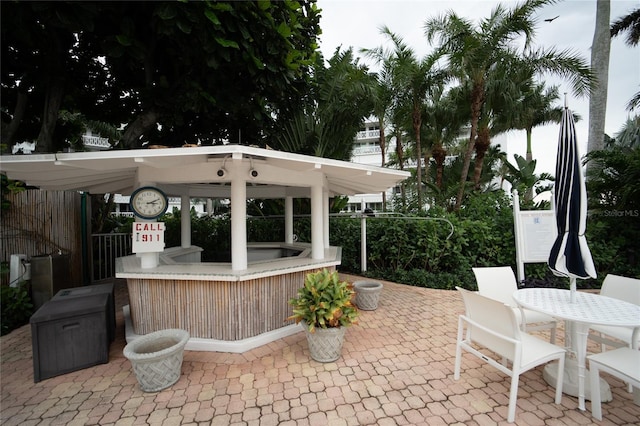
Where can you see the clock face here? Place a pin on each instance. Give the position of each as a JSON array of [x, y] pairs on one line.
[[148, 202]]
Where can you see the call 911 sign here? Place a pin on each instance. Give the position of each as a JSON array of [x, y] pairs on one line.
[[148, 237]]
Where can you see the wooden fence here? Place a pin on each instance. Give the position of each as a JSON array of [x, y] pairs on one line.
[[44, 222]]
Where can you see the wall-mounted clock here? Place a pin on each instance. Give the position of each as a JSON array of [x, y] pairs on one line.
[[148, 202]]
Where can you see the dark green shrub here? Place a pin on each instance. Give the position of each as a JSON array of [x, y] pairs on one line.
[[419, 251], [16, 307]]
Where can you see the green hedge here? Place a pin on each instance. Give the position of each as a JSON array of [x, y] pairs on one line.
[[420, 252]]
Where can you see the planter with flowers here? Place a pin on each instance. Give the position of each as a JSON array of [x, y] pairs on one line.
[[324, 307]]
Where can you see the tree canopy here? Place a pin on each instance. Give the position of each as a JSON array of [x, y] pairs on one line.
[[170, 72]]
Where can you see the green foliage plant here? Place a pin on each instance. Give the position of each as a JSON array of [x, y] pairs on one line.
[[324, 302], [7, 187], [16, 307]]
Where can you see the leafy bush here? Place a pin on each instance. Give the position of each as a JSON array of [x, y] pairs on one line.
[[420, 252], [16, 306]]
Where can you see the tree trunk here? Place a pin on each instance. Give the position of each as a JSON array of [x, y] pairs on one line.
[[383, 153], [138, 127], [399, 150], [439, 154], [482, 144], [54, 92], [417, 124], [426, 158], [529, 155], [400, 155], [52, 102], [600, 49], [477, 99], [8, 137]]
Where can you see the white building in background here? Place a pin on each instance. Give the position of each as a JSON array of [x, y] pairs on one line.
[[366, 150], [94, 142]]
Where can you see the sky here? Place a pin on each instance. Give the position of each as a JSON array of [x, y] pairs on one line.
[[357, 23]]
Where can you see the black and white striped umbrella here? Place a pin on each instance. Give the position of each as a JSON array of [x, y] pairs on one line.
[[570, 255]]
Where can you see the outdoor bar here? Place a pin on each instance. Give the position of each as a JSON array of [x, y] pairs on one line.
[[221, 309], [234, 306]]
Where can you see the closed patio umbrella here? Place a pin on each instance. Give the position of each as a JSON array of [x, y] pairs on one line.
[[570, 255]]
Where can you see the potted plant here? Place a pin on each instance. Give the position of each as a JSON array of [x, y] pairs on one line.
[[324, 307]]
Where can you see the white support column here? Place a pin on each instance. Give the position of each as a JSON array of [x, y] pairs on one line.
[[238, 222], [288, 220], [317, 222], [149, 260], [185, 221], [325, 216]]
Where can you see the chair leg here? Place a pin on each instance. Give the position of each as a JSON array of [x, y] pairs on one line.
[[636, 394], [456, 370], [513, 396], [559, 379], [552, 339], [594, 376]]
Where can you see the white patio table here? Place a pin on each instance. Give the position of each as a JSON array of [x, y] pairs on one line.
[[587, 309]]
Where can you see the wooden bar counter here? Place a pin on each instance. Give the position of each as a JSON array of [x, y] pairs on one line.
[[210, 300]]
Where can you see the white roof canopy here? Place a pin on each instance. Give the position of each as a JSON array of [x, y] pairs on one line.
[[193, 171]]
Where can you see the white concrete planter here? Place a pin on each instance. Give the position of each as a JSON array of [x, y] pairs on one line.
[[325, 344], [157, 358], [367, 294]]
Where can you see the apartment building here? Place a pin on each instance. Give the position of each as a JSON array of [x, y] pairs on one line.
[[366, 150]]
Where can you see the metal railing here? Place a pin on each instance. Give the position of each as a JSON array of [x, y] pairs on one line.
[[367, 134], [105, 249]]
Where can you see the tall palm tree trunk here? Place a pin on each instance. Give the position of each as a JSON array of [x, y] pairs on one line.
[[439, 154], [600, 50], [400, 155], [417, 124], [529, 155], [477, 99], [382, 142], [482, 144]]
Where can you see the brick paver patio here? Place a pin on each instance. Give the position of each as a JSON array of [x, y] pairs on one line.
[[396, 369]]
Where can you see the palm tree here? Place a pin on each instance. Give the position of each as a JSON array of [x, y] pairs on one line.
[[445, 118], [382, 102], [327, 124], [535, 107], [600, 50], [629, 134], [413, 81], [631, 25], [473, 52]]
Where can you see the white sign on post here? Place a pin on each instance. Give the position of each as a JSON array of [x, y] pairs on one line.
[[538, 230], [535, 232], [148, 237]]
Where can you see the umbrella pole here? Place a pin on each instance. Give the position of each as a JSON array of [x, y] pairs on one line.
[[572, 288]]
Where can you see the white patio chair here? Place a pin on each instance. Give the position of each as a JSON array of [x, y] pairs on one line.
[[623, 363], [623, 288], [499, 283], [490, 331]]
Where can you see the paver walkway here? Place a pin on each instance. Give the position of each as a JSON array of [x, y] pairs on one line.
[[396, 369]]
